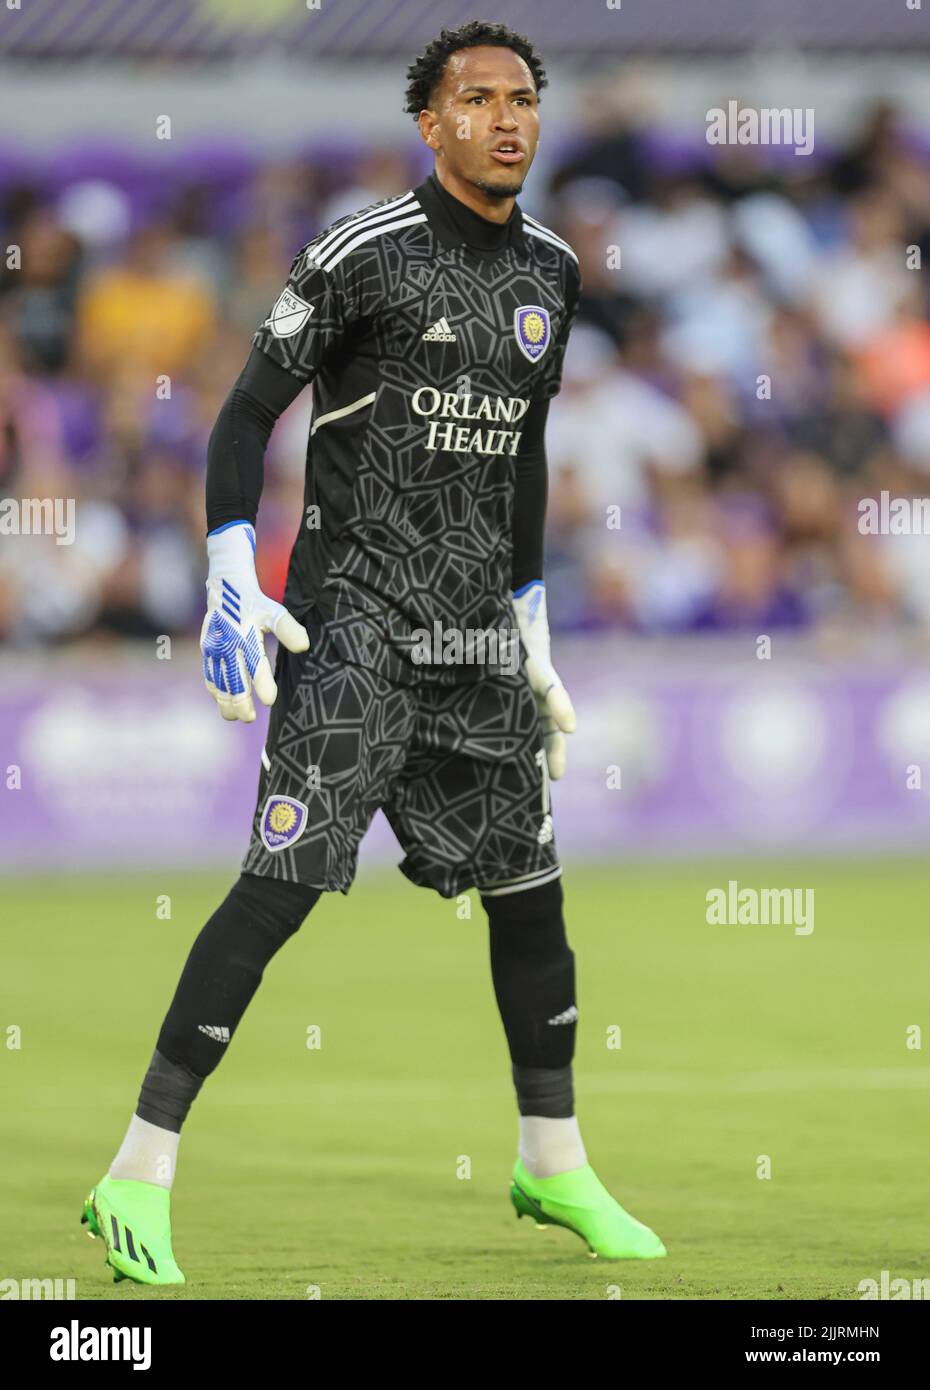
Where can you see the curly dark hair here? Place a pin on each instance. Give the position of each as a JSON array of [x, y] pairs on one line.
[[426, 71]]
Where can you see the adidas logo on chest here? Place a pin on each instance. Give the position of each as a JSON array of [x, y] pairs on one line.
[[439, 333]]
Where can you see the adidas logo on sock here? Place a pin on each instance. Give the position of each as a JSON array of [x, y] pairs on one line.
[[439, 333], [212, 1031], [567, 1016]]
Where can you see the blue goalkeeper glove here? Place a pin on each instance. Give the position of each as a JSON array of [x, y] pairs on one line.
[[556, 714], [238, 615]]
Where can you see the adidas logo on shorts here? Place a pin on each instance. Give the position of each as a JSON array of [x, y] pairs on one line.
[[212, 1031], [567, 1016], [439, 333]]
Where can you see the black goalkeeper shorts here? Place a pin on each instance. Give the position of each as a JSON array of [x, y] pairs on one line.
[[459, 771]]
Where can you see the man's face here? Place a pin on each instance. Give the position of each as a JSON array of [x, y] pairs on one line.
[[484, 120]]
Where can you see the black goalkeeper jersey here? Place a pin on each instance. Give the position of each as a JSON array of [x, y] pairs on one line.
[[425, 345]]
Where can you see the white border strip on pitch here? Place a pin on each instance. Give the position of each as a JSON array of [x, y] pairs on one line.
[[343, 410], [361, 220], [552, 240], [518, 885], [373, 232]]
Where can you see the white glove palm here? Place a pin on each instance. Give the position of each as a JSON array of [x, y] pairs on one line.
[[238, 614], [556, 714]]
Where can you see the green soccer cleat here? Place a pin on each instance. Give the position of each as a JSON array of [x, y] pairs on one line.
[[133, 1219], [580, 1202]]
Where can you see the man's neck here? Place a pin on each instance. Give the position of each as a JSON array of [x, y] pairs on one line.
[[491, 209]]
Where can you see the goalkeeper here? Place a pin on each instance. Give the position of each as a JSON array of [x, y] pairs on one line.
[[431, 328]]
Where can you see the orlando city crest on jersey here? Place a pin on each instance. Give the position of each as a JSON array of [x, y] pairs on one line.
[[531, 325]]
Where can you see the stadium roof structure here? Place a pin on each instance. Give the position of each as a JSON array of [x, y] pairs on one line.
[[346, 29]]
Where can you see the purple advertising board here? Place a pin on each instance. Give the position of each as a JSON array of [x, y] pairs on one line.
[[121, 760]]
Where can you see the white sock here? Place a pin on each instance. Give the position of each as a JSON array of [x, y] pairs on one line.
[[549, 1146], [147, 1154]]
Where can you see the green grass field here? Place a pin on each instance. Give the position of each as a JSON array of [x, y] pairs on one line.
[[337, 1168]]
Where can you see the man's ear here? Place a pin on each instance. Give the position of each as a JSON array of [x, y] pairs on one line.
[[429, 129]]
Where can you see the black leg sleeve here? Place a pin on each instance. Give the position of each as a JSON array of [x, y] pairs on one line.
[[533, 971], [222, 973]]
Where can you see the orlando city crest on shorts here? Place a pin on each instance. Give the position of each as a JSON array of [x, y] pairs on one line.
[[531, 327], [283, 821]]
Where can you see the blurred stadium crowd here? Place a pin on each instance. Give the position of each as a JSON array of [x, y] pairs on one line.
[[737, 265]]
